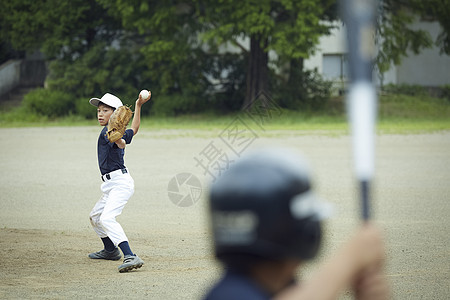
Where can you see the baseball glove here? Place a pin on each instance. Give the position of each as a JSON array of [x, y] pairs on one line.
[[118, 123]]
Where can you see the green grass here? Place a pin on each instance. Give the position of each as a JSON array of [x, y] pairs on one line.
[[396, 114], [415, 114]]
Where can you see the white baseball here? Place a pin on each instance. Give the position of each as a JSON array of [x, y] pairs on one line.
[[144, 94]]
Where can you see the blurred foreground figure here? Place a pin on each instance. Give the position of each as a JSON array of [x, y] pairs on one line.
[[266, 221]]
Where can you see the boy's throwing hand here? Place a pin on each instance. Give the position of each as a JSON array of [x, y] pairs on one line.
[[141, 100], [137, 112]]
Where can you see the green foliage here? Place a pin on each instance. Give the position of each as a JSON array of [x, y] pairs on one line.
[[49, 103], [100, 70], [442, 92], [60, 28], [446, 92], [169, 46], [177, 104], [88, 51], [299, 26], [7, 52], [397, 114], [406, 89], [310, 92], [415, 107], [84, 109], [232, 19], [293, 27], [180, 49], [318, 90], [227, 90], [397, 38], [437, 10], [289, 28], [411, 102]]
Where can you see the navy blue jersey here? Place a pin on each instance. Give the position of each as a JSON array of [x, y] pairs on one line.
[[110, 157], [237, 286]]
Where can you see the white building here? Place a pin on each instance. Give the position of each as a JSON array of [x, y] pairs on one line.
[[429, 68]]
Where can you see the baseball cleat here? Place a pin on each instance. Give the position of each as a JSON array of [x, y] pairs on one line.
[[130, 262], [103, 254]]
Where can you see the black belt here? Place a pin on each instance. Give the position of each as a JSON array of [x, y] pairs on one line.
[[108, 177]]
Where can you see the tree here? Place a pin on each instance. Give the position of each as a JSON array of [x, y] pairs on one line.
[[290, 28], [87, 49], [181, 47], [437, 10], [397, 35], [171, 51], [62, 29]]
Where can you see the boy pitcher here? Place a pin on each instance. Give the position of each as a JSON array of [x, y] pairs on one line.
[[117, 186]]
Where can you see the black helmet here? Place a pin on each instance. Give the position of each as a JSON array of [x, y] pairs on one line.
[[263, 207]]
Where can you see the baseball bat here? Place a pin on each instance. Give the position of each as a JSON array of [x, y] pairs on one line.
[[359, 19]]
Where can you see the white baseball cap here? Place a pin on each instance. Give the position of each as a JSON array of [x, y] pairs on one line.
[[108, 99]]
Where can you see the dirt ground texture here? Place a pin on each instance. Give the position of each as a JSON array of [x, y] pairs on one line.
[[50, 181]]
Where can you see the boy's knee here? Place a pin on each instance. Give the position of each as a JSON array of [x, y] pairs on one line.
[[95, 220], [105, 220]]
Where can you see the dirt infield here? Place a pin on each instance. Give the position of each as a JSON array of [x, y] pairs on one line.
[[50, 181]]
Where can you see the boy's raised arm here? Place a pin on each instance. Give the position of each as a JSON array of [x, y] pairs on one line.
[[137, 113]]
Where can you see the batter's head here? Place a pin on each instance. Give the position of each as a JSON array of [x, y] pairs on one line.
[[263, 207]]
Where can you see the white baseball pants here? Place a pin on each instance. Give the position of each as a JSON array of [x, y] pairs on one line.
[[116, 192]]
